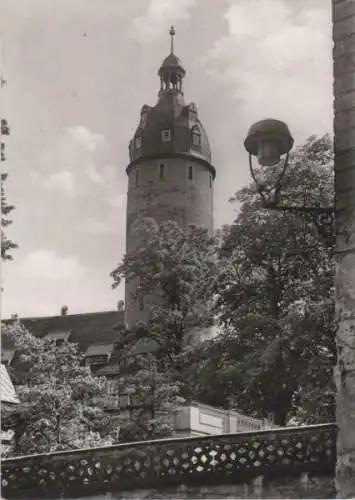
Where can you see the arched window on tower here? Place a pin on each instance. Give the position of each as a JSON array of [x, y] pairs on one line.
[[196, 137]]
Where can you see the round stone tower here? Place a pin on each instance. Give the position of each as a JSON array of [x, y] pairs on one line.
[[170, 175]]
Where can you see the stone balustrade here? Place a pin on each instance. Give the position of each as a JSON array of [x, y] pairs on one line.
[[198, 461]]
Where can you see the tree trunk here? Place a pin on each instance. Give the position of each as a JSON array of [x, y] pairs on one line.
[[344, 129]]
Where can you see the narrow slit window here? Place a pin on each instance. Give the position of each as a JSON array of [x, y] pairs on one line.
[[141, 303], [161, 172], [190, 174], [210, 181], [137, 177]]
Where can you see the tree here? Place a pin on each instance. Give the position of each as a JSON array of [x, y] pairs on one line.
[[178, 269], [6, 244], [61, 401], [152, 398], [174, 272], [344, 88], [276, 299]]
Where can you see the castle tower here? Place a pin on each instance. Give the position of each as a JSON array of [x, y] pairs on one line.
[[170, 175]]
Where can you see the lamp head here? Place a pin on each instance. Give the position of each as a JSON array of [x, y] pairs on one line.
[[268, 140]]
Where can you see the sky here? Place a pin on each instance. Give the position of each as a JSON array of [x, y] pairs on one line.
[[78, 73]]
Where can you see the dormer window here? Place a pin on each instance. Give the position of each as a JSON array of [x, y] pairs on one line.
[[138, 142], [58, 336], [192, 113], [196, 137], [143, 120], [166, 135], [98, 354]]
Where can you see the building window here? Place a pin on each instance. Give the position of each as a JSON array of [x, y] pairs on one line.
[[138, 142], [190, 173], [99, 360], [125, 400], [210, 181], [196, 137], [136, 179], [166, 135], [112, 387], [161, 172]]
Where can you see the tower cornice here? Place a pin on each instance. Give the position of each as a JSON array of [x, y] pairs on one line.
[[181, 156]]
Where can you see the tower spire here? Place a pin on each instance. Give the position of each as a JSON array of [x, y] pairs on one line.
[[172, 34]]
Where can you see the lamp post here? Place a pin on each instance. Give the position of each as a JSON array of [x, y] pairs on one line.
[[269, 140]]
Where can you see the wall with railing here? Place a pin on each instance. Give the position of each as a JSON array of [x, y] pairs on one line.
[[189, 463], [197, 419]]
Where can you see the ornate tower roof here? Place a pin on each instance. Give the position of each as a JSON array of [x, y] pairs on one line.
[[170, 126]]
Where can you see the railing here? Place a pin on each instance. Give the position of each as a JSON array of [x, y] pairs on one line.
[[228, 458]]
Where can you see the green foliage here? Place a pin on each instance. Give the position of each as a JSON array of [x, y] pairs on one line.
[[275, 297], [61, 401], [6, 244]]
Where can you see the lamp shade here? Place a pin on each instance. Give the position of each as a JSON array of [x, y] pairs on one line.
[[268, 140]]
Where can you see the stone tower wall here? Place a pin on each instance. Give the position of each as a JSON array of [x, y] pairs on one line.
[[175, 197]]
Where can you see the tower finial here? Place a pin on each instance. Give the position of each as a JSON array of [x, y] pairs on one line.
[[172, 34]]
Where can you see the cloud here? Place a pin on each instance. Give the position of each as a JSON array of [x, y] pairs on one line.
[[112, 223], [62, 180], [274, 62], [160, 14], [81, 137], [73, 162], [47, 264]]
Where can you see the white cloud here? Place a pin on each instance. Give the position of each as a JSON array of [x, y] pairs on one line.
[[73, 163], [62, 180], [81, 136], [160, 14], [274, 61], [47, 264], [93, 174]]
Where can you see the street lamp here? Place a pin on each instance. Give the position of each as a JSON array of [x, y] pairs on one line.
[[269, 140]]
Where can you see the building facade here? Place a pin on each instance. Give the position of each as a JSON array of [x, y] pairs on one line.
[[170, 174]]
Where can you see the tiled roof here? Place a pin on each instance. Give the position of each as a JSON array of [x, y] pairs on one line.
[[86, 329], [7, 391], [96, 333]]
